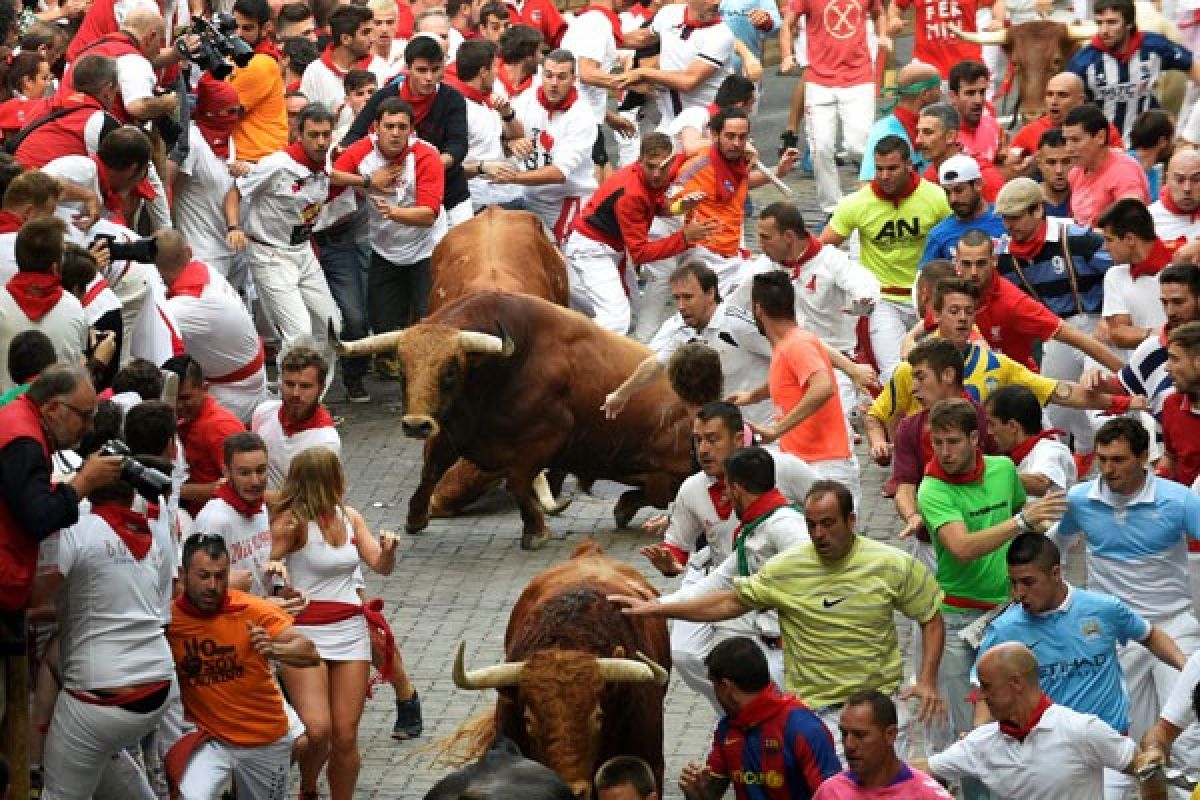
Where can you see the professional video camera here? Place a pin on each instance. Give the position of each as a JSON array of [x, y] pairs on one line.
[[149, 482], [143, 251], [219, 43]]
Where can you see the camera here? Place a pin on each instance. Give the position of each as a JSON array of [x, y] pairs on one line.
[[149, 482], [219, 43], [143, 251]]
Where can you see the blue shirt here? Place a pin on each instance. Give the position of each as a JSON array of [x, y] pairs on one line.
[[1065, 288], [886, 126], [944, 236], [1061, 210], [1076, 650], [734, 13]]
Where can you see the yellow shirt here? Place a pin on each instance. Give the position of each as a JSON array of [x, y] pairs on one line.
[[263, 128], [839, 633], [984, 371]]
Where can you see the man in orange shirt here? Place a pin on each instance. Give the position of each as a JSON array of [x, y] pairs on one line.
[[263, 128], [223, 642], [809, 422]]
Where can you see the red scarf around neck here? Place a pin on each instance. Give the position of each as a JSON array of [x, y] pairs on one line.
[[1132, 45], [10, 222], [690, 23], [35, 292], [468, 91], [1028, 250], [422, 104], [794, 266], [267, 47], [296, 151], [914, 180], [1169, 204], [551, 108], [512, 89], [718, 491], [129, 525], [612, 18], [1156, 260], [1020, 732], [226, 492], [327, 60], [767, 502], [729, 174], [1019, 452], [190, 281], [974, 475], [213, 96], [908, 119], [320, 418], [192, 610]]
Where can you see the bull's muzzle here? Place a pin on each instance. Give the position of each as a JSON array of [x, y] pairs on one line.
[[418, 427]]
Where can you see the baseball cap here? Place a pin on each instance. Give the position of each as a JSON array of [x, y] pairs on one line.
[[958, 169], [1018, 196]]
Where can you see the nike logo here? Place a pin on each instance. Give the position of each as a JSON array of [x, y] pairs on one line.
[[831, 603]]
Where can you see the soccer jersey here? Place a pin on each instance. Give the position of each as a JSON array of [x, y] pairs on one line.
[[837, 618], [944, 237]]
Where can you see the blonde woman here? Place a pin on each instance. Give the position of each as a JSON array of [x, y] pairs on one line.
[[317, 543]]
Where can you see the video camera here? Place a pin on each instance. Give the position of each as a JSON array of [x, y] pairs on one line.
[[149, 482], [219, 43], [143, 251]]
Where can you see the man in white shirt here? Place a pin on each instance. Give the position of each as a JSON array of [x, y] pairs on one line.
[[1132, 311], [490, 120], [1176, 212], [30, 195], [296, 421], [594, 36], [1036, 749], [352, 30], [238, 515], [1044, 463], [556, 166]]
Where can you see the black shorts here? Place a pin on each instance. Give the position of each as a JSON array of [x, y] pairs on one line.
[[599, 151]]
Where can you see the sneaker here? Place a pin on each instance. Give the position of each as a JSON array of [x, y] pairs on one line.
[[355, 391], [409, 724], [787, 140]]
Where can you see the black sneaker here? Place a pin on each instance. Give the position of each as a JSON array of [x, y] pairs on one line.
[[355, 391], [787, 140], [409, 724]]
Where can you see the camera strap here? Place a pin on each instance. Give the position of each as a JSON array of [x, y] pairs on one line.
[[12, 144]]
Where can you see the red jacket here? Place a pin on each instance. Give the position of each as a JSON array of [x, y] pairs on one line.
[[20, 419], [112, 45], [621, 211], [64, 136]]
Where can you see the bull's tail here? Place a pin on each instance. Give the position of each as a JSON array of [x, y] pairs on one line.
[[466, 744]]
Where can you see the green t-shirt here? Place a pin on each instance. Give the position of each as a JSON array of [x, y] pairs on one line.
[[891, 237], [13, 394], [980, 505]]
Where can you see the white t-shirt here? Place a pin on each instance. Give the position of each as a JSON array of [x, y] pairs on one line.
[[1169, 225], [155, 336], [200, 200], [696, 117], [1053, 460], [281, 449], [563, 139], [135, 77], [247, 538], [590, 35], [1063, 758], [485, 136], [712, 45], [1137, 298], [281, 199], [65, 324], [320, 84]]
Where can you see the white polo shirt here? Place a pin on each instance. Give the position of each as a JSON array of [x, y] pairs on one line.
[[680, 47], [590, 35], [248, 539], [1169, 225], [563, 139], [281, 199], [1062, 758], [200, 200], [281, 448]]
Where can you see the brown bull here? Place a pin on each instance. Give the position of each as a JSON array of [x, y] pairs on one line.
[[514, 384], [569, 697]]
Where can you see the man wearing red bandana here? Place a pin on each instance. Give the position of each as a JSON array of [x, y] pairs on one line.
[[1132, 311], [261, 128], [1044, 462], [1176, 212], [298, 420], [1036, 749], [35, 196], [352, 29], [490, 120], [118, 174]]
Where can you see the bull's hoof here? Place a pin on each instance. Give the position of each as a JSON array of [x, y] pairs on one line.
[[535, 541], [415, 525], [438, 511], [623, 512]]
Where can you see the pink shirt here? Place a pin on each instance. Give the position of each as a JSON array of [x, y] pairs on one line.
[[983, 141], [910, 784], [838, 55], [1092, 192]]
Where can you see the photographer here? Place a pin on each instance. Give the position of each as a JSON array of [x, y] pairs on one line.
[[117, 174], [76, 121], [262, 129], [101, 309]]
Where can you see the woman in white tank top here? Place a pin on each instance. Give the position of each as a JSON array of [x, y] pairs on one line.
[[317, 544]]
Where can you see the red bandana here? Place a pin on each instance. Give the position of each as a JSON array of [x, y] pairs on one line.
[[512, 89], [10, 222], [566, 103], [213, 95], [113, 201], [468, 91], [127, 524], [908, 119], [765, 504], [721, 501], [35, 292], [729, 174], [266, 47], [613, 20], [794, 266], [1023, 449], [320, 418], [690, 23], [327, 60], [914, 180], [421, 103], [226, 492], [1159, 257], [1028, 250], [1169, 204], [296, 151], [227, 607], [974, 475], [1132, 45], [1019, 733], [191, 280]]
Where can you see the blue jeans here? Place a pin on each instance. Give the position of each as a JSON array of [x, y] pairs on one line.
[[344, 257]]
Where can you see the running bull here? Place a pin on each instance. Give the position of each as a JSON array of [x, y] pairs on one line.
[[514, 384], [502, 773], [570, 695]]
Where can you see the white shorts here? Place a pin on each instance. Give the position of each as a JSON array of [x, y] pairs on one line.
[[347, 640], [257, 773], [594, 277]]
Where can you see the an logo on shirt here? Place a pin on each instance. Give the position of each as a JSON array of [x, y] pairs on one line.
[[772, 744], [895, 230], [206, 663], [844, 19], [831, 603], [1059, 264]]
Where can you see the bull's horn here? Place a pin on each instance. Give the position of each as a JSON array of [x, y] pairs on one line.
[[499, 676], [379, 343], [1082, 32], [476, 342], [626, 670], [981, 37]]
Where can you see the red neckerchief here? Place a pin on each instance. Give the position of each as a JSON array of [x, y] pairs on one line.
[[1019, 452], [213, 95], [908, 120], [227, 607], [113, 201], [513, 89], [794, 266], [10, 222], [719, 492], [327, 60], [713, 109], [612, 18], [1131, 46], [690, 24], [129, 525], [565, 104], [421, 104], [760, 708], [226, 492], [267, 47], [35, 292], [729, 174], [767, 502], [467, 90], [914, 180], [296, 151], [191, 280], [1020, 732], [320, 418], [974, 475], [1169, 205], [1158, 258], [1028, 250], [294, 86]]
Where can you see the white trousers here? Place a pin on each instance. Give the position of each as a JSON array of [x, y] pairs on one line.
[[258, 773], [652, 304], [594, 278], [1150, 681], [824, 108], [85, 750], [843, 470], [888, 324], [1065, 363], [831, 716], [557, 215]]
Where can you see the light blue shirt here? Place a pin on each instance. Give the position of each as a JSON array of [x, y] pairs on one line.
[[735, 15], [1076, 650], [883, 127]]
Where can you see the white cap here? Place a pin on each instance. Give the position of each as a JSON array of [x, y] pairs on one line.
[[958, 169]]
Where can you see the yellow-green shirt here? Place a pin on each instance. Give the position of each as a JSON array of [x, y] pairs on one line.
[[839, 634]]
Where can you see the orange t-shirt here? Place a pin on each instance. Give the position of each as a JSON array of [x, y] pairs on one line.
[[228, 688], [821, 437], [698, 175], [264, 128]]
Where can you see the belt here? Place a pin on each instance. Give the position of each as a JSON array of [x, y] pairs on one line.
[[244, 371], [899, 291]]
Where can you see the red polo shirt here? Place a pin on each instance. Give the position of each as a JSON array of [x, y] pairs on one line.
[[204, 440], [1011, 321], [1181, 436]]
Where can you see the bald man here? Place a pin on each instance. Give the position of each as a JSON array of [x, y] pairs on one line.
[[1064, 92], [1175, 210], [1035, 749], [917, 86]]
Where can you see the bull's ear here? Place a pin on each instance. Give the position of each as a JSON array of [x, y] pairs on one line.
[[618, 652]]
